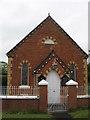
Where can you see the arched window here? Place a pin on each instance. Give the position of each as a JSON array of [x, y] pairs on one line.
[[64, 80], [41, 77], [24, 74], [72, 72]]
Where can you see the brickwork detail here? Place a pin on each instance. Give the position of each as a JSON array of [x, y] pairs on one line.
[[9, 72], [72, 98], [85, 74], [50, 38], [24, 61], [72, 62], [19, 104]]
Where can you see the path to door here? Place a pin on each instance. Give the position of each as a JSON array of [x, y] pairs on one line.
[[61, 116]]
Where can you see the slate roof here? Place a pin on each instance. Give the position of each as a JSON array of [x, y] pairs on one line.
[[38, 27]]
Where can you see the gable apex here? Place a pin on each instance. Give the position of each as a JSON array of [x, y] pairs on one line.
[[9, 54]]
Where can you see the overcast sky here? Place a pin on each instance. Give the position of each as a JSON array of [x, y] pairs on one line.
[[19, 17]]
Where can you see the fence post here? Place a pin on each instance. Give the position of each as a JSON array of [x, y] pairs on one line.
[[72, 94], [43, 95]]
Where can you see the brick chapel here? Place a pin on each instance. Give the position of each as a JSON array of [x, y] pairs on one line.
[[49, 53]]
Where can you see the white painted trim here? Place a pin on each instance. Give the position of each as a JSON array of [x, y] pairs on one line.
[[71, 83], [83, 96], [19, 97], [24, 86], [43, 82]]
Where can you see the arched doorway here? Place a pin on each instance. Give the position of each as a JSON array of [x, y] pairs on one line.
[[53, 80]]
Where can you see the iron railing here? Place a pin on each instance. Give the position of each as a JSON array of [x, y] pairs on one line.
[[82, 90], [16, 91]]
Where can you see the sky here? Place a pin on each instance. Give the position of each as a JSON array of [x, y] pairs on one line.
[[19, 17]]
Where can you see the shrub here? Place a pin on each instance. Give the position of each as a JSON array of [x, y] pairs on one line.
[[29, 111]]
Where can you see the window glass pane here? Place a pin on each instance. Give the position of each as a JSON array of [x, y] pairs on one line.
[[64, 79], [72, 72], [24, 74]]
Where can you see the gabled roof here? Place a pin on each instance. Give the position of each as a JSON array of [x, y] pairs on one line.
[[38, 27], [51, 56]]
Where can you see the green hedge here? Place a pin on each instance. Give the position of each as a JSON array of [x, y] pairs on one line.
[[3, 80]]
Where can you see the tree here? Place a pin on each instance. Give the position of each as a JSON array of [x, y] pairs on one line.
[[89, 73], [3, 73]]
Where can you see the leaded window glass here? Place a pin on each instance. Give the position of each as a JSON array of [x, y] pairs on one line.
[[64, 79], [25, 74], [72, 72]]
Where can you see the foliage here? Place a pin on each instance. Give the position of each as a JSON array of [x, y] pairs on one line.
[[80, 113], [89, 89], [29, 111], [3, 68], [89, 72], [3, 73], [33, 116], [4, 81]]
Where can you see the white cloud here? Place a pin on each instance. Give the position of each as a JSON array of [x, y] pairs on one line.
[[19, 17]]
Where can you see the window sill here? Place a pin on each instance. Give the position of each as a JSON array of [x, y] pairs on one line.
[[24, 86]]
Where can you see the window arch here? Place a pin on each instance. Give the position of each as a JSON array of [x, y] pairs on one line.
[[24, 74], [72, 72]]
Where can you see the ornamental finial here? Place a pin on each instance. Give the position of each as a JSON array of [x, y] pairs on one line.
[[48, 14]]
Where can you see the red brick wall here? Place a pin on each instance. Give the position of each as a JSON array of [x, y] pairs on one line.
[[43, 98], [72, 100], [83, 102], [25, 104], [19, 104], [35, 51]]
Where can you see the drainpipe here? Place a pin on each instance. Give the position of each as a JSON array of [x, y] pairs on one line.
[[34, 82]]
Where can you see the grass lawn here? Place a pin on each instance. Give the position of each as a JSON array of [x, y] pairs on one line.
[[80, 113], [32, 113], [4, 115]]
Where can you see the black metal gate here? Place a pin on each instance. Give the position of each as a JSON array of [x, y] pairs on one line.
[[63, 105]]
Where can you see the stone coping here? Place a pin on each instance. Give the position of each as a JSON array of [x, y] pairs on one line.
[[19, 97], [83, 96]]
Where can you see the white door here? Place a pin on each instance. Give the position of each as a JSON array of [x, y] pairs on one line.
[[53, 80]]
